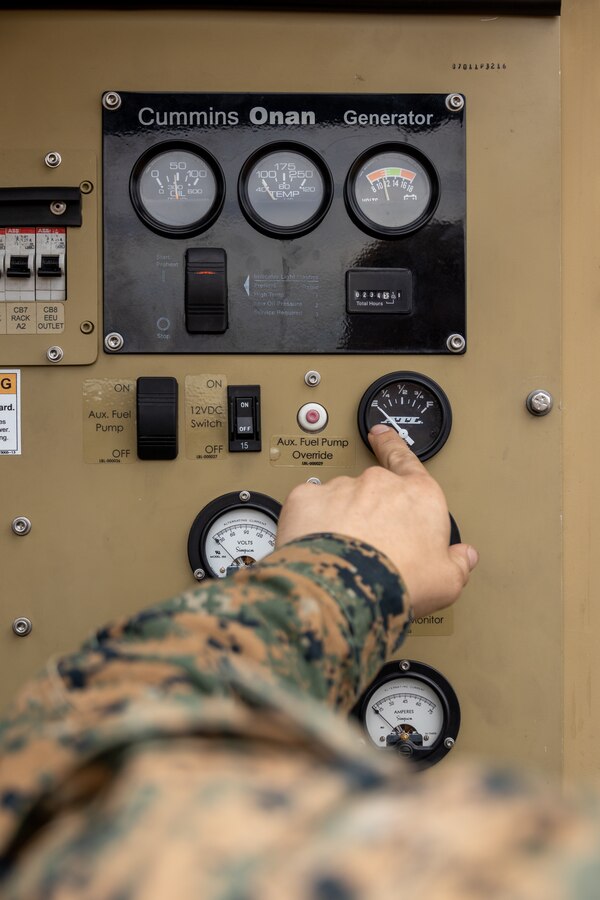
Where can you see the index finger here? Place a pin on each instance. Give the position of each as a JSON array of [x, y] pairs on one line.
[[392, 452]]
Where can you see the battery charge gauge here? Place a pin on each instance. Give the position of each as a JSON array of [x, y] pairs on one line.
[[391, 190]]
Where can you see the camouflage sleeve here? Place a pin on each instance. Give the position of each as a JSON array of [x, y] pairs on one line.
[[319, 615]]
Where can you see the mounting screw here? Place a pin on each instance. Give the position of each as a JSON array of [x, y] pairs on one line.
[[86, 327], [53, 159], [199, 574], [313, 480], [54, 354], [456, 343], [113, 341], [312, 378], [455, 102], [86, 187], [111, 100], [22, 626], [58, 208], [21, 525], [244, 496], [539, 403], [405, 665], [449, 743]]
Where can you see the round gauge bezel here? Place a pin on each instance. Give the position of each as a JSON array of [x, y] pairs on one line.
[[283, 231], [176, 231], [408, 668], [217, 507], [393, 377], [356, 212]]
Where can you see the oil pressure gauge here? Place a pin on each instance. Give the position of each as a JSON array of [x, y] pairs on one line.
[[232, 532], [177, 189], [411, 403], [412, 709]]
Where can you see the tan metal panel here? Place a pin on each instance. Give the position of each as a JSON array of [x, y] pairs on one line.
[[107, 539]]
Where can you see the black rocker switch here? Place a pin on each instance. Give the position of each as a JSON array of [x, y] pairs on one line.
[[156, 418], [244, 418], [206, 290]]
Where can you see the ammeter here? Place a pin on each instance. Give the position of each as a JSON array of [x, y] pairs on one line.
[[412, 709], [233, 531]]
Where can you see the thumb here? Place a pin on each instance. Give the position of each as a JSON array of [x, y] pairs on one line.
[[465, 557]]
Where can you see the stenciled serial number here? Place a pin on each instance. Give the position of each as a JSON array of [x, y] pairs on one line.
[[478, 67]]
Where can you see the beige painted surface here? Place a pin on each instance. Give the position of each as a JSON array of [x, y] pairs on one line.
[[107, 540], [581, 286]]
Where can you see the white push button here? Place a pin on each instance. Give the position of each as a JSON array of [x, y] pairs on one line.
[[312, 417]]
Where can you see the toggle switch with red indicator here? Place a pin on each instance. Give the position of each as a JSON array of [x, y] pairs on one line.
[[312, 417], [206, 290]]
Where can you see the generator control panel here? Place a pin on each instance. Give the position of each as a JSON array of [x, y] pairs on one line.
[[284, 223]]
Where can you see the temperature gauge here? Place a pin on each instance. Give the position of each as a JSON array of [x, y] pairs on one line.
[[177, 189], [391, 190], [285, 189], [412, 709], [232, 532], [414, 405]]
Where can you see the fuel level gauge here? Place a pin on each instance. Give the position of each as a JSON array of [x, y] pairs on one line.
[[411, 403]]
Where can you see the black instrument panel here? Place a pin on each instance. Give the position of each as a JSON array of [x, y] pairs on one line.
[[304, 196]]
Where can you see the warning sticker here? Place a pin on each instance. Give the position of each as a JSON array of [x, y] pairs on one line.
[[10, 412]]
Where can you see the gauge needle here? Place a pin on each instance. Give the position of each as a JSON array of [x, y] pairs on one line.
[[223, 547], [266, 187], [387, 196], [401, 431], [389, 724]]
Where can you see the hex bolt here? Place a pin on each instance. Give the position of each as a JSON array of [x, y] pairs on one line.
[[54, 354], [449, 743], [21, 526], [312, 378], [456, 343], [455, 102], [244, 496], [53, 159], [111, 100], [405, 665], [199, 574], [539, 403], [58, 208], [22, 626], [113, 341], [313, 480]]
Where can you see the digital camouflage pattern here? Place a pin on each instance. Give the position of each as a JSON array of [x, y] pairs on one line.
[[200, 749]]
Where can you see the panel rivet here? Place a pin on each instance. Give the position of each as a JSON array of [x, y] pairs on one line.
[[22, 626], [456, 343], [21, 525], [58, 208], [455, 102], [405, 665], [53, 159], [312, 378], [449, 743], [54, 354], [313, 480], [111, 100], [86, 327], [113, 341], [199, 574], [244, 496]]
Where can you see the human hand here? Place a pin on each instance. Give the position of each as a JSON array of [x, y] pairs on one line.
[[399, 509]]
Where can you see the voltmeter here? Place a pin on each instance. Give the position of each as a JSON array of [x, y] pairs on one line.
[[411, 403], [412, 709], [177, 189], [392, 190], [233, 531]]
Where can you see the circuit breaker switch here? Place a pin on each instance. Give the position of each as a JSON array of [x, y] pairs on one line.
[[19, 266], [244, 418], [206, 290], [157, 418], [50, 267]]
